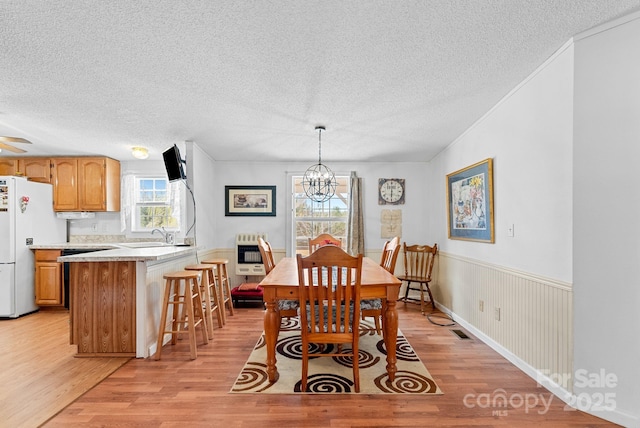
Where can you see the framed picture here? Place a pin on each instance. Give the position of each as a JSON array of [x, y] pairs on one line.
[[470, 202], [250, 201]]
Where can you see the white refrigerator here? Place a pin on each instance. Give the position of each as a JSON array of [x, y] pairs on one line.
[[26, 217]]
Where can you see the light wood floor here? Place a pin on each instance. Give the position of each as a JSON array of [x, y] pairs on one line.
[[179, 392], [40, 375]]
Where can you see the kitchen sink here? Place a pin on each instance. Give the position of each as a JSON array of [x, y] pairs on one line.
[[143, 244]]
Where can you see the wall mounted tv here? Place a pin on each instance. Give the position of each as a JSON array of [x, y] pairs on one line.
[[173, 164]]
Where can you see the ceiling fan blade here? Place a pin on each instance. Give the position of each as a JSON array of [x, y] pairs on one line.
[[14, 140], [11, 148]]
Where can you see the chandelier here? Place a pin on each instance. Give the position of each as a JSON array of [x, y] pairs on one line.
[[319, 182]]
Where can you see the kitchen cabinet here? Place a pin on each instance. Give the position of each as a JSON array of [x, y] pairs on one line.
[[115, 299], [35, 169], [8, 166], [48, 278], [64, 173], [86, 184], [79, 183], [103, 308]]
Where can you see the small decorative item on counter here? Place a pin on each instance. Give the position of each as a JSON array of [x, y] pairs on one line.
[[24, 201]]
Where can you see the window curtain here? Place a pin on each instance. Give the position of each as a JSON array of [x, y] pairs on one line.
[[127, 200], [355, 220]]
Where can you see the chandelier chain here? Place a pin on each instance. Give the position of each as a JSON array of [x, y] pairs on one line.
[[319, 145]]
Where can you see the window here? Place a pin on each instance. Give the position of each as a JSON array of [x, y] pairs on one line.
[[310, 218], [156, 205]]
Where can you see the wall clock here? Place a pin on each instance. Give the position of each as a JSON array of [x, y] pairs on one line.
[[391, 191]]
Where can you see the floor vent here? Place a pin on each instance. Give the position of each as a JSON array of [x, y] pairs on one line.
[[461, 334]]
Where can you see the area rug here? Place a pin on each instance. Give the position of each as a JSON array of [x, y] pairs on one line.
[[328, 375]]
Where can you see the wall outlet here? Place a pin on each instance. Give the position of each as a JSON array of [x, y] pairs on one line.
[[497, 314], [481, 306], [94, 227], [511, 230]]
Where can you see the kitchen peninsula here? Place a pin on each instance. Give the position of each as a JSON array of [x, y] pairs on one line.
[[116, 298]]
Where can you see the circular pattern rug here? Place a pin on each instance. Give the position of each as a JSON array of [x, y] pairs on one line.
[[331, 375]]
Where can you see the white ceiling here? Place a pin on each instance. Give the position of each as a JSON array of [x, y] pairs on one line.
[[249, 80]]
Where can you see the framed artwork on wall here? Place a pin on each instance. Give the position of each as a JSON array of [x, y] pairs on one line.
[[470, 203], [250, 201]]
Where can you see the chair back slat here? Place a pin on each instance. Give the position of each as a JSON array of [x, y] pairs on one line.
[[419, 260]]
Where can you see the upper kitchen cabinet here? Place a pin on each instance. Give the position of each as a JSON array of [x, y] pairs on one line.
[[64, 175], [35, 169], [99, 184], [86, 184], [8, 166]]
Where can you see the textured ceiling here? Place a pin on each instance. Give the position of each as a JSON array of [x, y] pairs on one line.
[[249, 80]]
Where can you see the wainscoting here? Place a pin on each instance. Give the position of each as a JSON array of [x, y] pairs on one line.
[[230, 254], [534, 329], [535, 326], [149, 307]]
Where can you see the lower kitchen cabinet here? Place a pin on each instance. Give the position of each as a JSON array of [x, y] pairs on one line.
[[103, 308], [48, 278]]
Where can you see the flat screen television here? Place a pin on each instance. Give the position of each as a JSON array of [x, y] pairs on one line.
[[173, 164]]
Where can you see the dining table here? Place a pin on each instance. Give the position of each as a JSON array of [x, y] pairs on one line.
[[376, 282]]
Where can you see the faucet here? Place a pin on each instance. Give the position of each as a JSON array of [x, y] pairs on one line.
[[168, 237]]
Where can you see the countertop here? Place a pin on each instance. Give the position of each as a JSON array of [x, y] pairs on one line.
[[131, 254], [117, 252], [74, 246]]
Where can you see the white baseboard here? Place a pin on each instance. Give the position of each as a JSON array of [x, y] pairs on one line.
[[615, 416]]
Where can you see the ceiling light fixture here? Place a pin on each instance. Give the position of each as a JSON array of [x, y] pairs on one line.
[[319, 182], [140, 152]]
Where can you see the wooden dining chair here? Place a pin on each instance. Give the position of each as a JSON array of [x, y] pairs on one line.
[[329, 281], [373, 307], [267, 255], [323, 239], [286, 308], [418, 265]]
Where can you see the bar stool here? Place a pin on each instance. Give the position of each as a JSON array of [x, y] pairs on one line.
[[187, 305], [209, 296], [222, 282]]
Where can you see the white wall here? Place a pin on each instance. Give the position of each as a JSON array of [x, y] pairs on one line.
[[529, 137], [565, 146], [201, 179], [527, 277], [419, 196], [208, 178], [606, 243]]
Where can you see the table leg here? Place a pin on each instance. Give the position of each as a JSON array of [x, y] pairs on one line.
[[271, 319], [390, 337]]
